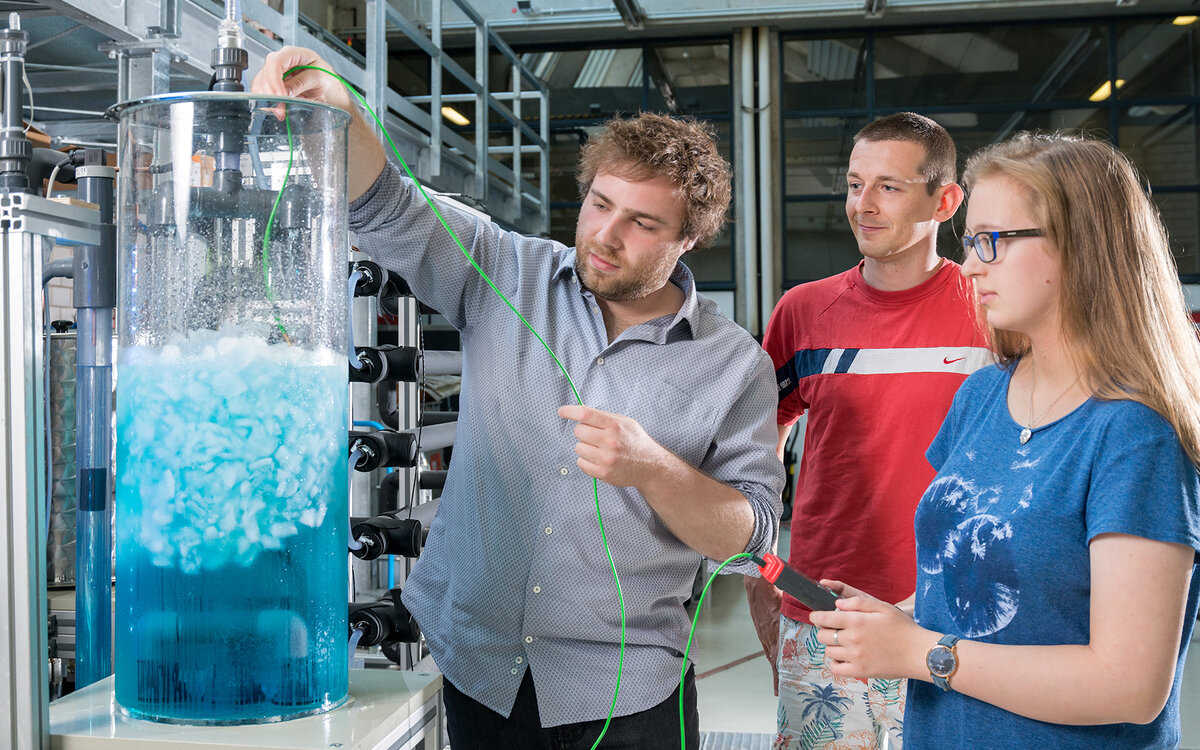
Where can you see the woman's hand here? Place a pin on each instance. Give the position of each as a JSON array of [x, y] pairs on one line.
[[866, 637]]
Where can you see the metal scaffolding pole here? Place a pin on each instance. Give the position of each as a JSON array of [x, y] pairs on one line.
[[27, 223]]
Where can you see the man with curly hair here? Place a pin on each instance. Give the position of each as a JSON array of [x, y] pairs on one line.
[[514, 591]]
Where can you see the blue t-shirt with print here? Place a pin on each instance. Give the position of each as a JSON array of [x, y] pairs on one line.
[[1002, 548]]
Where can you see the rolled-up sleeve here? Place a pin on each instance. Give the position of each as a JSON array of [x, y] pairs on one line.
[[743, 456]]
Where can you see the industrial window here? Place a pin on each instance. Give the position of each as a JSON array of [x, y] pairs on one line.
[[1134, 82]]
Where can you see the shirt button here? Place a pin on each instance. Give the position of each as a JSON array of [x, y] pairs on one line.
[[520, 659], [529, 639], [599, 360], [563, 471], [515, 670], [549, 530], [537, 589]]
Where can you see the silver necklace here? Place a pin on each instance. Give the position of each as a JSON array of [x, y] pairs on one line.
[[1027, 432]]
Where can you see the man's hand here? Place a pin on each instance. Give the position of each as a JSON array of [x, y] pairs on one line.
[[304, 84], [365, 156], [614, 448], [712, 518], [765, 601]]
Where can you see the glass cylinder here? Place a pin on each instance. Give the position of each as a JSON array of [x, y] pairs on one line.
[[231, 473]]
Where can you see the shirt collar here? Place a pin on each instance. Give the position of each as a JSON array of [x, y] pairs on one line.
[[682, 277]]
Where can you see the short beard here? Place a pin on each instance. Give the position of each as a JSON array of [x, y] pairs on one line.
[[646, 281]]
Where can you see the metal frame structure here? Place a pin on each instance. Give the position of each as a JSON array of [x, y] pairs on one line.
[[155, 37], [29, 226], [606, 20], [756, 145]]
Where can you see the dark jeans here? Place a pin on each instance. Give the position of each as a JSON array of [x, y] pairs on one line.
[[473, 726]]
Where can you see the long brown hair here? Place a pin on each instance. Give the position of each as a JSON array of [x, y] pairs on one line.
[[1123, 313]]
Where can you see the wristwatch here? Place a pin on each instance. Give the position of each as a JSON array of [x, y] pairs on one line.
[[942, 661]]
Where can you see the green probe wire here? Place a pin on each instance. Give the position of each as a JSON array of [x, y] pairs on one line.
[[271, 221], [457, 241], [595, 482], [688, 650]]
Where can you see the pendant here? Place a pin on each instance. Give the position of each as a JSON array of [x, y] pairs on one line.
[[1026, 433]]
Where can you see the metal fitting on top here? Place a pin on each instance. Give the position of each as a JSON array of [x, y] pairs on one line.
[[229, 58], [15, 150]]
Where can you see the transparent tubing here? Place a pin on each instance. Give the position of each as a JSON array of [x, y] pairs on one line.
[[232, 513], [94, 270], [93, 549]]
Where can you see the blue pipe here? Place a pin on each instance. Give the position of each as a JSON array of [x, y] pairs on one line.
[[94, 299], [93, 512]]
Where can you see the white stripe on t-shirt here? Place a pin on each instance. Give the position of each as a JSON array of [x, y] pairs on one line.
[[956, 359]]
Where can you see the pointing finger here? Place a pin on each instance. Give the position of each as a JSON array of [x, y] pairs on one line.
[[585, 415], [573, 412]]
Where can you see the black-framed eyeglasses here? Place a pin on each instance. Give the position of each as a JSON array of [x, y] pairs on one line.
[[984, 243]]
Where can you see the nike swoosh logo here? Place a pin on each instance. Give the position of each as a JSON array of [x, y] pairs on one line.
[[948, 361]]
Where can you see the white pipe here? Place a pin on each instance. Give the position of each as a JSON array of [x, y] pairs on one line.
[[768, 243], [747, 167]]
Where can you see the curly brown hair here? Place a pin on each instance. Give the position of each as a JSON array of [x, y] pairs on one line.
[[682, 149]]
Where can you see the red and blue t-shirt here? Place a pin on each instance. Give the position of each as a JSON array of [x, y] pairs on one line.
[[875, 371]]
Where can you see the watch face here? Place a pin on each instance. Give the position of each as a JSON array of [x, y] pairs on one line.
[[941, 661]]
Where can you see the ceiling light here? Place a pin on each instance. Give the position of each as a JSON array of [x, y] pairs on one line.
[[1184, 20], [1105, 90], [454, 116]]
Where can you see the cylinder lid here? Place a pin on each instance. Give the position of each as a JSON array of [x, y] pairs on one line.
[[119, 110]]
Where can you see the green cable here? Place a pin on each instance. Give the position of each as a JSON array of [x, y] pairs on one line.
[[270, 221], [688, 650], [457, 241], [595, 483]]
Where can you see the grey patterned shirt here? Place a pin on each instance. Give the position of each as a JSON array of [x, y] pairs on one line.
[[514, 575]]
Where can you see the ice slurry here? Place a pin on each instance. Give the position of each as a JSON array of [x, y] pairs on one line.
[[231, 468]]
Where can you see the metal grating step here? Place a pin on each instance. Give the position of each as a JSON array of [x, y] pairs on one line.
[[735, 741]]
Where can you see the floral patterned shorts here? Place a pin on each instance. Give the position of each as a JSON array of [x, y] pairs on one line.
[[820, 710]]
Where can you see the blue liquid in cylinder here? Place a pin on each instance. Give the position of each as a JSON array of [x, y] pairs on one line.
[[231, 518]]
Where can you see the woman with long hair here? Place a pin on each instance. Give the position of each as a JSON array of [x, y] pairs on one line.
[[1057, 545]]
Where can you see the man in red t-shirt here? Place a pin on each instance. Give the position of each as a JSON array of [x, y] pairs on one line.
[[873, 356]]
